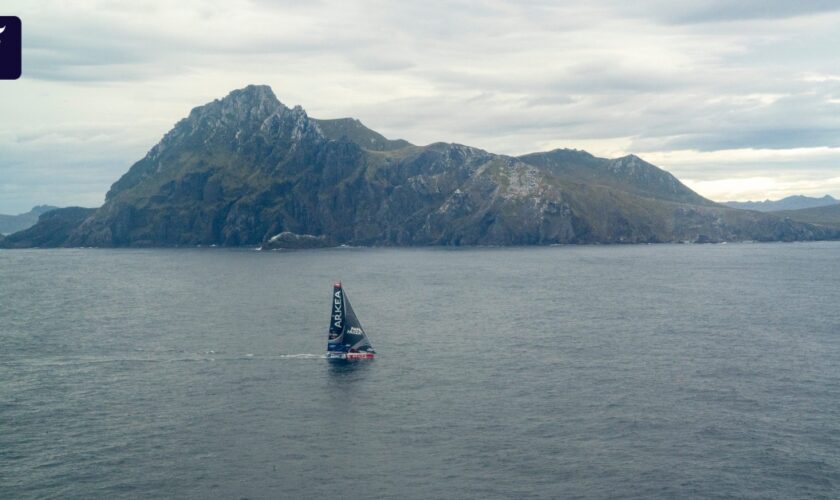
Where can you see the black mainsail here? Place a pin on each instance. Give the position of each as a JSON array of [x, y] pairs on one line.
[[346, 333]]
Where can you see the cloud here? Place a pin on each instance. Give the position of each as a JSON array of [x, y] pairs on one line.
[[763, 188], [711, 11], [103, 82]]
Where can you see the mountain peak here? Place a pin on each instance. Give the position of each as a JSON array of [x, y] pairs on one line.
[[632, 165], [251, 102], [252, 94], [245, 109], [629, 160]]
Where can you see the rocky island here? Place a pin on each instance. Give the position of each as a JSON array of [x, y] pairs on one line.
[[248, 170]]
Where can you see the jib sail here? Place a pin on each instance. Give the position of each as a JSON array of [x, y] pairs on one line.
[[346, 332]]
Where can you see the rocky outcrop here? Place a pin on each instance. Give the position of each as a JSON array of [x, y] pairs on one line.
[[289, 240], [248, 170], [13, 223], [52, 230]]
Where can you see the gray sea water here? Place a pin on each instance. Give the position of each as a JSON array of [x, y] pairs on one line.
[[661, 371]]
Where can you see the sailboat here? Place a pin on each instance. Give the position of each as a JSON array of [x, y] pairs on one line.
[[347, 340]]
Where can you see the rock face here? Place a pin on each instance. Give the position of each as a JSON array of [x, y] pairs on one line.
[[247, 169]]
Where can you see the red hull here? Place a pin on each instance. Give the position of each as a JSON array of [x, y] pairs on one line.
[[359, 355], [350, 356]]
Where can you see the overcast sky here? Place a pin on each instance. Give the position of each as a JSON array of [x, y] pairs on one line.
[[740, 100]]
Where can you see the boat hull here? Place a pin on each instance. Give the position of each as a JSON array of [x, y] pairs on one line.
[[349, 356]]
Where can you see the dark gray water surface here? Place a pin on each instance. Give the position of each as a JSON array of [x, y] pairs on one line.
[[575, 372]]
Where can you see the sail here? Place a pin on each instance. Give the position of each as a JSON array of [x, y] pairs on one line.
[[346, 331], [354, 334]]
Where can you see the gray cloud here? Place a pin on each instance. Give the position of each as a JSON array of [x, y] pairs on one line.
[[658, 78], [710, 11]]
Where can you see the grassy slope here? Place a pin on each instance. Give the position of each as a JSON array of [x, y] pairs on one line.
[[582, 167], [824, 216]]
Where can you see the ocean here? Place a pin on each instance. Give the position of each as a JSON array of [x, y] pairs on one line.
[[643, 371]]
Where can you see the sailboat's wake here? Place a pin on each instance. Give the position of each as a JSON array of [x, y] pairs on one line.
[[289, 356], [172, 357], [226, 356], [253, 357]]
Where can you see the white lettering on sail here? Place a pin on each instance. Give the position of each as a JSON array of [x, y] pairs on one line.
[[337, 310]]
